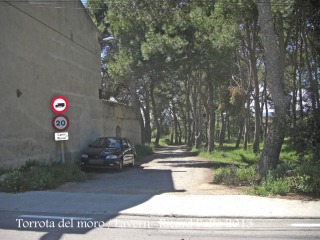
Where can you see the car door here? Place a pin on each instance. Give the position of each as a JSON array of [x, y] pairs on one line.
[[127, 155]]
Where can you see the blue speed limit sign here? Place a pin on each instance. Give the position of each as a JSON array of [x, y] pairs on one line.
[[60, 122]]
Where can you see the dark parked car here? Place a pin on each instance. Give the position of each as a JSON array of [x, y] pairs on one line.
[[108, 152]]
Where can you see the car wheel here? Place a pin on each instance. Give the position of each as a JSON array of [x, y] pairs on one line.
[[120, 167], [133, 161], [84, 169]]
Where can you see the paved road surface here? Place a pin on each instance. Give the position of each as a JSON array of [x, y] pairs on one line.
[[26, 226], [169, 196]]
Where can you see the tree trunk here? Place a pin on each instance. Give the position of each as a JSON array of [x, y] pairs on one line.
[[180, 133], [189, 121], [228, 126], [300, 83], [263, 102], [267, 109], [223, 129], [212, 118], [251, 45], [246, 114], [271, 151], [147, 119], [239, 133], [155, 115], [313, 89], [175, 124], [198, 118], [315, 67], [294, 81]]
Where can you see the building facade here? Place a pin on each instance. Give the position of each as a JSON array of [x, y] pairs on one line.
[[47, 49]]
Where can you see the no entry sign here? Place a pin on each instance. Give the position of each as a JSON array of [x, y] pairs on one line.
[[60, 122], [59, 104]]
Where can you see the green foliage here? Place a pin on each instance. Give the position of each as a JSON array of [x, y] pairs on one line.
[[144, 150], [305, 178], [305, 137], [168, 48], [290, 175], [229, 154], [293, 177], [305, 184], [194, 150], [271, 185], [97, 10], [287, 154], [163, 141], [233, 175], [35, 176]]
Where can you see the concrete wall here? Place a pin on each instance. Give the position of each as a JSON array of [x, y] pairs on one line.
[[48, 50], [127, 118]]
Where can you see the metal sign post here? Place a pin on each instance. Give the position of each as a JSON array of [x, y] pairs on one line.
[[62, 153], [61, 137]]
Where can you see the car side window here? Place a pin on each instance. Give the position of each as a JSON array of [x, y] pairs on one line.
[[129, 143], [125, 143]]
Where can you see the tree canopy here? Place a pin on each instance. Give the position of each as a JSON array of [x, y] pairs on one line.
[[211, 70]]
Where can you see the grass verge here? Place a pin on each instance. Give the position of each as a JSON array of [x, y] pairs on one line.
[[290, 176]]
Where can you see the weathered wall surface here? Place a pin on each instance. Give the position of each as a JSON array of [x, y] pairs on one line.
[[44, 52], [126, 118]]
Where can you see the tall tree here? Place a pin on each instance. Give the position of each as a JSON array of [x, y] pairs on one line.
[[275, 73]]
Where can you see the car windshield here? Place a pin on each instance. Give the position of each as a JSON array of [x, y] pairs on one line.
[[107, 143]]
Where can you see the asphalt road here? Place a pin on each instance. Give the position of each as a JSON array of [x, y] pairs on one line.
[[169, 195], [53, 226]]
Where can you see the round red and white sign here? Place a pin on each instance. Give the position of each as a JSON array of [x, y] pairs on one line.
[[59, 104], [60, 122]]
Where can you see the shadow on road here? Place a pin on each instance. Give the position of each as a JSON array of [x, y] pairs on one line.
[[195, 164], [100, 199], [165, 155]]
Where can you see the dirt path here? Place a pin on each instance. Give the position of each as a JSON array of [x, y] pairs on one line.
[[190, 174], [170, 170]]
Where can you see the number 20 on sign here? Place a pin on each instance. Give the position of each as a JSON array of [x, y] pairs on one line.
[[60, 122]]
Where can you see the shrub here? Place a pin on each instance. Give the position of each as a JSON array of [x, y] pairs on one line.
[[233, 175], [271, 185], [305, 178], [226, 175], [144, 150], [305, 138], [34, 176]]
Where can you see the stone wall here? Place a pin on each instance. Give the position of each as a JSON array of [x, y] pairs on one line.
[[47, 51]]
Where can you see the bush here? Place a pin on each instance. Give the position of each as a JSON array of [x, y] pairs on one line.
[[305, 137], [271, 185], [34, 176], [305, 178], [144, 150], [298, 177], [233, 175]]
